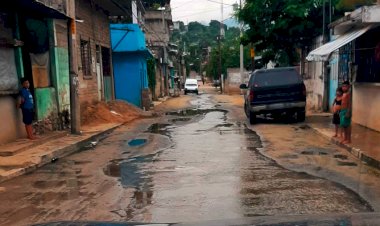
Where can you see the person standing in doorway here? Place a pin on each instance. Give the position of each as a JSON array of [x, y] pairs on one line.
[[345, 113], [26, 103], [337, 106]]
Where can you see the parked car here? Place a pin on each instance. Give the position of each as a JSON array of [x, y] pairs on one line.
[[191, 86], [275, 91]]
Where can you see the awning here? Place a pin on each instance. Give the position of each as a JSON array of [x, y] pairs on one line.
[[323, 53]]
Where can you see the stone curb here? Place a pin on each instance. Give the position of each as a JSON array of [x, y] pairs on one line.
[[57, 154], [354, 151]]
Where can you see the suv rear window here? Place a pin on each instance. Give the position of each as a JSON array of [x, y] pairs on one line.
[[275, 78]]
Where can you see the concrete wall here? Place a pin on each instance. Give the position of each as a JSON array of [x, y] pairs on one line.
[[95, 29], [12, 126], [366, 105], [314, 81], [233, 80], [315, 87], [159, 82], [155, 34]]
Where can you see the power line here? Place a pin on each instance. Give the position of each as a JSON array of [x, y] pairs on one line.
[[184, 4], [219, 2], [206, 11]]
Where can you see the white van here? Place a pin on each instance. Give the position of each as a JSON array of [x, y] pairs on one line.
[[191, 86]]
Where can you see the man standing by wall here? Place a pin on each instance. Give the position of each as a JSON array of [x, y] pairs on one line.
[[26, 104]]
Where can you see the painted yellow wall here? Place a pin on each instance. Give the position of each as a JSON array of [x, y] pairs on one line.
[[366, 105], [11, 127]]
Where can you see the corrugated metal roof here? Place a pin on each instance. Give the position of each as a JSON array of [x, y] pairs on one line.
[[323, 52]]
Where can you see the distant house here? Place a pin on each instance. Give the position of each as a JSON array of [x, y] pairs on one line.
[[353, 54], [158, 29]]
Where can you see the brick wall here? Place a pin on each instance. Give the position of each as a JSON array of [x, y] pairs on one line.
[[95, 29]]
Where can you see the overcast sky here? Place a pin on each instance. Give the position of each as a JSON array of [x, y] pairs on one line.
[[200, 10]]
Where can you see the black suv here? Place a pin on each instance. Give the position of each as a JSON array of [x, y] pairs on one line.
[[275, 91]]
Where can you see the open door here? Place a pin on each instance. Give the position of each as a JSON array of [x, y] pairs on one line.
[[106, 71], [99, 72]]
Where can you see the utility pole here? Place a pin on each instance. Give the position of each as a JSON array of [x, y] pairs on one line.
[[74, 82], [220, 48], [241, 51], [164, 61], [220, 63]]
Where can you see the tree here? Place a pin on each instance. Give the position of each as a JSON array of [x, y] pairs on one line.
[[230, 51], [277, 26], [200, 37], [352, 4]]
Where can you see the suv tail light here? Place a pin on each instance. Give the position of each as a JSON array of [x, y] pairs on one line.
[[304, 89], [251, 95]]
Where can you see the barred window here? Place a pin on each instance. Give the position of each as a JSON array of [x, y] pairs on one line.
[[85, 53]]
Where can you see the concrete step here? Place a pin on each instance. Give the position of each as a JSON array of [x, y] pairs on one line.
[[21, 145]]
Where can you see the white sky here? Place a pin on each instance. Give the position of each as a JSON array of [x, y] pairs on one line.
[[200, 10]]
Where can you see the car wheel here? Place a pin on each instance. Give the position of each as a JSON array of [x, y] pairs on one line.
[[185, 93], [197, 93], [252, 118], [301, 116]]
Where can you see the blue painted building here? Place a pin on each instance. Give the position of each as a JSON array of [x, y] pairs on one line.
[[129, 56]]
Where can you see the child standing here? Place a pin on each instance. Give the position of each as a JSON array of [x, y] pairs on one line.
[[26, 104], [345, 113], [337, 106]]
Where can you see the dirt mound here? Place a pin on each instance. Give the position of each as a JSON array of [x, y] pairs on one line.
[[111, 112]]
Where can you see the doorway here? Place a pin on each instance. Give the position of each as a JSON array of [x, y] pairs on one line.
[[99, 72], [106, 72]]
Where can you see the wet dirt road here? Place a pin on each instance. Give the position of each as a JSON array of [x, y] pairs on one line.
[[199, 164]]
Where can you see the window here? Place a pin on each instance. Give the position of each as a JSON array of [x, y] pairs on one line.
[[275, 78], [367, 57], [85, 53]]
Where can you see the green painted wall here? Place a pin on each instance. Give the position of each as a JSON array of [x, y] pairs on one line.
[[60, 76], [46, 103], [18, 51], [59, 68], [107, 88]]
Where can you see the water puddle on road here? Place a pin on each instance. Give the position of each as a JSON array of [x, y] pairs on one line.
[[137, 142], [343, 163], [215, 163], [193, 112], [159, 128], [315, 151], [342, 157], [130, 171], [174, 120]]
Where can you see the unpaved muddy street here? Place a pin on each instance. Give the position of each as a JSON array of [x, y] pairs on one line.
[[199, 163]]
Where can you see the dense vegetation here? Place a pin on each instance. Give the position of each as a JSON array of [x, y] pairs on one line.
[[280, 28], [201, 45], [277, 29]]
